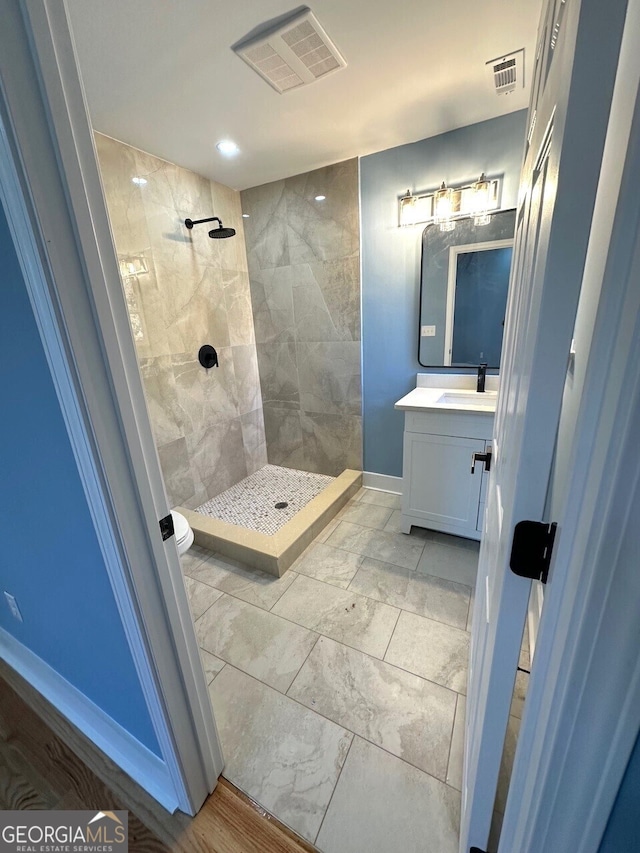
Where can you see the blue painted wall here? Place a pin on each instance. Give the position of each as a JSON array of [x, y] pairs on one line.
[[391, 261], [622, 834], [50, 559]]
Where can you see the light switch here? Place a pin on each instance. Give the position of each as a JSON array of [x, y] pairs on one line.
[[428, 331]]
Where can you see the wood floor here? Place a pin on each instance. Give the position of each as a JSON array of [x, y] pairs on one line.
[[40, 770]]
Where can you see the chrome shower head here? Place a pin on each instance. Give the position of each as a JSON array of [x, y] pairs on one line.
[[215, 233]]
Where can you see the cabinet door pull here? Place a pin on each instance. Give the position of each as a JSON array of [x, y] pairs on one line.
[[481, 457]]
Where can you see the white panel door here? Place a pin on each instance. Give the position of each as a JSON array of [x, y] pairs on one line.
[[567, 124]]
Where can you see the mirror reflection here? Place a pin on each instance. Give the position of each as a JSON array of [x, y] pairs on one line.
[[463, 292]]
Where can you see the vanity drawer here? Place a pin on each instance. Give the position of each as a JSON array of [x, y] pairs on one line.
[[460, 424]]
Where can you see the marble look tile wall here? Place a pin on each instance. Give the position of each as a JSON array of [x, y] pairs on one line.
[[208, 425], [304, 268]]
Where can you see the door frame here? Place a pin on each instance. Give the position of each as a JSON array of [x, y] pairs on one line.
[[568, 123], [576, 737], [51, 191]]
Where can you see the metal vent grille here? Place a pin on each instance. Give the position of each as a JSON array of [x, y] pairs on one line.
[[271, 65], [504, 74], [296, 52], [507, 72]]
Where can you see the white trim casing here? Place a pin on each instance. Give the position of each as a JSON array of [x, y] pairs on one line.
[[582, 713], [138, 762], [51, 191]]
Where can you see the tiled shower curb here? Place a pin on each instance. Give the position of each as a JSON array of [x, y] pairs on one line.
[[274, 554]]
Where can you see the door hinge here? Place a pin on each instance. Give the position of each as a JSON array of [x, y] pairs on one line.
[[166, 527], [531, 549]]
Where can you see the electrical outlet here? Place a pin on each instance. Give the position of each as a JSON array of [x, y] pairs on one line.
[[13, 606], [428, 331]]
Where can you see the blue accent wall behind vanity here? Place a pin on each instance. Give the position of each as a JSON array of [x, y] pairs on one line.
[[50, 559], [391, 260]]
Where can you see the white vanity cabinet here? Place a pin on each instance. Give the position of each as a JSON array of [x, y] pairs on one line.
[[439, 490]]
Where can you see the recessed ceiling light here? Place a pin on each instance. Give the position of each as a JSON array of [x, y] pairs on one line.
[[245, 215], [320, 197], [227, 147], [139, 181]]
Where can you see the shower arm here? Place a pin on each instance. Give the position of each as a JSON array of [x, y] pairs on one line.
[[191, 222]]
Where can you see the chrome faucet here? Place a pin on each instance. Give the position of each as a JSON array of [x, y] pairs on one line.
[[482, 375]]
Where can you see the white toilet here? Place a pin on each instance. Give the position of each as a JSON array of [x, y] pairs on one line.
[[183, 532]]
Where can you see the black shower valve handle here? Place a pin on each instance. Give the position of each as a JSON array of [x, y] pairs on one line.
[[207, 356]]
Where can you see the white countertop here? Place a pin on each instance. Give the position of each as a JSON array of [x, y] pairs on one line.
[[448, 400]]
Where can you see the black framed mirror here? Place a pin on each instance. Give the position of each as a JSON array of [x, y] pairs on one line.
[[464, 280]]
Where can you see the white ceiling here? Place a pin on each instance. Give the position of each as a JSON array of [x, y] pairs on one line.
[[160, 75]]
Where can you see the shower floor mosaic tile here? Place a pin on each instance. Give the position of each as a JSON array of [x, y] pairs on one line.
[[253, 502]]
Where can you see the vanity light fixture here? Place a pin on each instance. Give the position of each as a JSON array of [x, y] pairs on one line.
[[448, 204], [245, 215], [443, 208], [415, 208], [408, 209], [138, 181], [320, 197], [481, 201]]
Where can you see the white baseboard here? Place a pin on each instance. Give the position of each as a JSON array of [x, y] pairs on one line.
[[382, 482], [137, 761]]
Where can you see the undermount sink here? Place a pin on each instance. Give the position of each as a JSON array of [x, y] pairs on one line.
[[467, 398]]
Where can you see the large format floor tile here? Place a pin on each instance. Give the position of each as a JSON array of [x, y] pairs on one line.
[[193, 557], [251, 585], [456, 756], [506, 764], [331, 565], [340, 614], [430, 649], [393, 526], [201, 596], [286, 757], [211, 665], [420, 593], [382, 805], [471, 606], [450, 539], [328, 530], [394, 548], [400, 712], [368, 515], [519, 694], [452, 563], [259, 643], [374, 496]]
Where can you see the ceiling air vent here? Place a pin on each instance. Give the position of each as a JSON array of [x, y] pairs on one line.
[[295, 52], [507, 72]]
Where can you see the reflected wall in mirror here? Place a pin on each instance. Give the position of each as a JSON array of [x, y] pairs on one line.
[[463, 292]]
